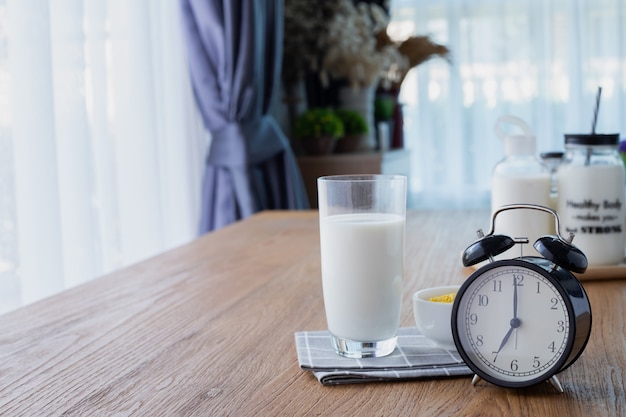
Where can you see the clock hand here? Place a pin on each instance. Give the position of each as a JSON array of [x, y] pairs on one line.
[[514, 298], [506, 339], [514, 307], [515, 323]]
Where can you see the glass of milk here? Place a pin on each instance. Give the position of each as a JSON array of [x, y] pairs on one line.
[[362, 233]]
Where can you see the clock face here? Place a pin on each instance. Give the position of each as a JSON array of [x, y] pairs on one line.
[[512, 325]]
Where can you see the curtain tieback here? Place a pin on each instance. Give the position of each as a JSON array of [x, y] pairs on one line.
[[241, 144]]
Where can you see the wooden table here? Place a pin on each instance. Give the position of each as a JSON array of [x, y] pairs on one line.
[[208, 330]]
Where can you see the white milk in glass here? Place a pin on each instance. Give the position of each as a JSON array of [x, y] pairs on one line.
[[362, 270]]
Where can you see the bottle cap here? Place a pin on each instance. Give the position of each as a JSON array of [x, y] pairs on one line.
[[592, 139], [516, 144], [552, 155], [519, 145]]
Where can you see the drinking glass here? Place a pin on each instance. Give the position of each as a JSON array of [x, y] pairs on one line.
[[362, 233]]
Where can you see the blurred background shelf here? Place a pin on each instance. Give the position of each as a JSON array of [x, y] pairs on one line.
[[389, 162]]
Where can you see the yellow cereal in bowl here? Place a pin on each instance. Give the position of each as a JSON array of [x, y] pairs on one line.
[[445, 298], [432, 309]]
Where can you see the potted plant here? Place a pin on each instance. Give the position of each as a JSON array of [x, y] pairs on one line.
[[338, 53], [355, 127], [318, 129]]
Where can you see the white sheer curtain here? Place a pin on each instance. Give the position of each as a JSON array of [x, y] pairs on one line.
[[541, 60], [100, 143]]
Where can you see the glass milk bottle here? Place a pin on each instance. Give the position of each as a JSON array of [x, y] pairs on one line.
[[591, 189], [552, 160], [520, 178]]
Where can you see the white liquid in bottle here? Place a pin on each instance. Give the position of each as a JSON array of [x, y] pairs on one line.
[[520, 178], [530, 224], [591, 184]]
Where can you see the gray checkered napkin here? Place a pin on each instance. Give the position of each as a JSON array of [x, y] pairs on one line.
[[415, 357]]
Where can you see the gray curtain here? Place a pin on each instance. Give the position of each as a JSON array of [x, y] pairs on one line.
[[235, 55]]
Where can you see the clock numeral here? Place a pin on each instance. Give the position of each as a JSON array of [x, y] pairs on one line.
[[538, 287], [473, 318], [483, 300], [552, 347], [536, 363], [554, 302], [497, 286], [479, 340], [518, 280], [514, 365], [560, 326]]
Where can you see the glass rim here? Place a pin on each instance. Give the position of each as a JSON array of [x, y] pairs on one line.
[[361, 177]]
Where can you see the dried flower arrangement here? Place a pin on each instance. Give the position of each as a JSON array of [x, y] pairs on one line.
[[352, 51], [346, 39], [415, 49], [304, 21], [329, 44]]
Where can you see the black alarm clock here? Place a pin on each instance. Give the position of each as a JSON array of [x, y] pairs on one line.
[[519, 322]]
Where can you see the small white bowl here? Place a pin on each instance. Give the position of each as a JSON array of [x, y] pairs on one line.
[[432, 318]]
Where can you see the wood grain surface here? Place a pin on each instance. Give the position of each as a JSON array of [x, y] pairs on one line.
[[207, 329]]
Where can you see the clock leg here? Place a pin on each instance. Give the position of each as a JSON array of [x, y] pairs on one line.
[[476, 379], [554, 381]]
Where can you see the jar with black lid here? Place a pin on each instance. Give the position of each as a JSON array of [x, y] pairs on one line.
[[591, 193]]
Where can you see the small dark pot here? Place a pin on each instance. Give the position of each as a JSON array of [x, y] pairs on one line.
[[318, 146], [347, 144]]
